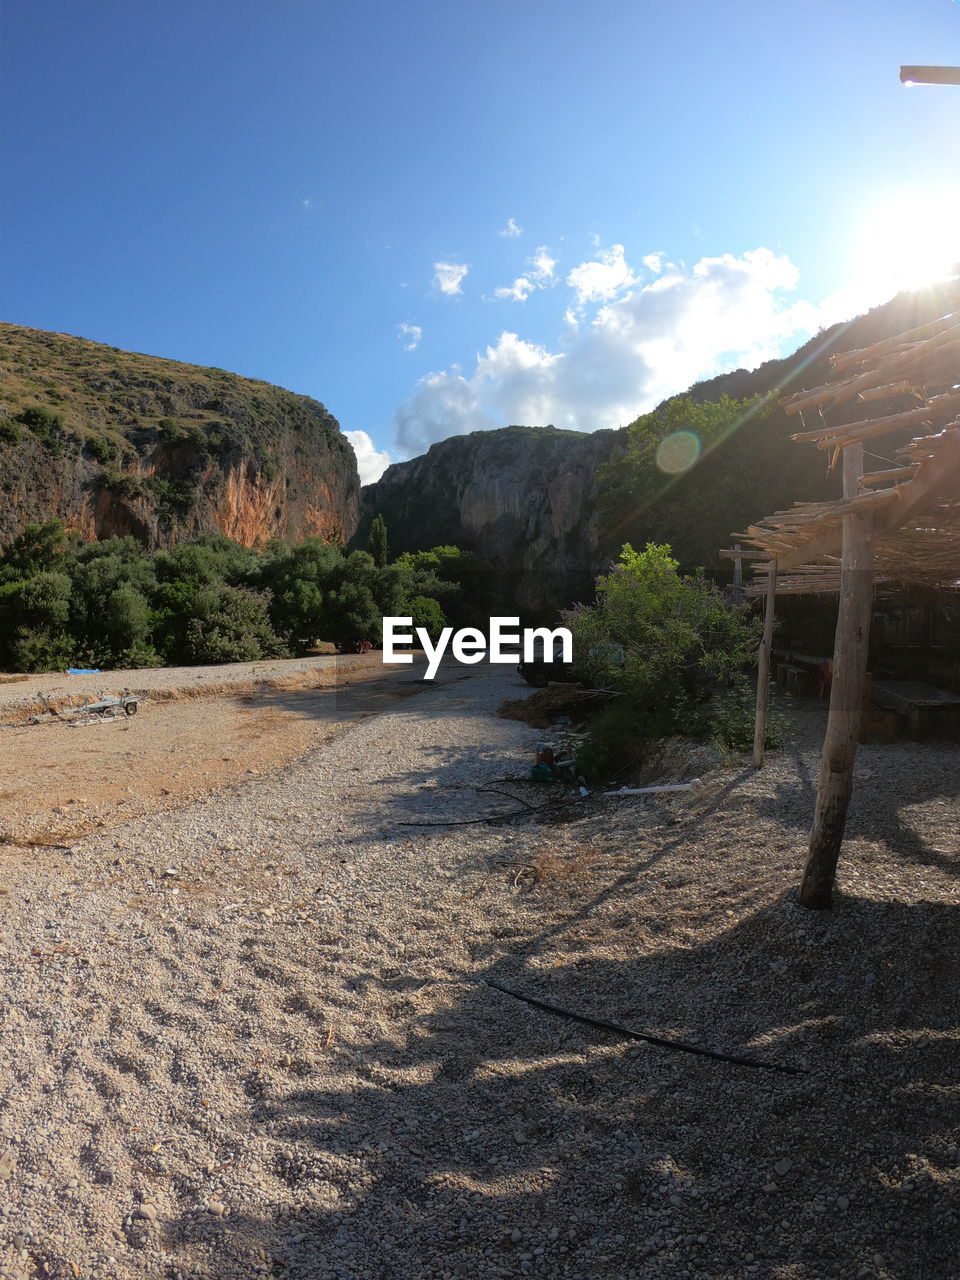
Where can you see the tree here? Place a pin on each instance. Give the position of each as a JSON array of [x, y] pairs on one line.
[[34, 615], [664, 639], [230, 624], [38, 549], [692, 472], [377, 542], [426, 613], [460, 581]]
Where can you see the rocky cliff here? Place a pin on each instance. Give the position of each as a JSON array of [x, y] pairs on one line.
[[524, 498], [529, 499], [119, 443]]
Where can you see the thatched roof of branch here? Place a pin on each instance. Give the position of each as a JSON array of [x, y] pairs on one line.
[[916, 503]]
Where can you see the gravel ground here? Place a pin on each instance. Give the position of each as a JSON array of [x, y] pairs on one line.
[[254, 1036], [18, 693], [198, 730]]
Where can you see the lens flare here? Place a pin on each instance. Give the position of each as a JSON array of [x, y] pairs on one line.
[[678, 452]]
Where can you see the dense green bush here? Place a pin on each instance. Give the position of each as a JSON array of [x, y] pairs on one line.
[[426, 613], [100, 449], [184, 433], [176, 496], [672, 645], [45, 425], [231, 624], [42, 422], [122, 484]]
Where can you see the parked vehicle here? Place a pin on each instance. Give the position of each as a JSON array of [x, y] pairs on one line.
[[539, 672]]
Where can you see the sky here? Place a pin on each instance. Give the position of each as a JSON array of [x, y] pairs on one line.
[[442, 217]]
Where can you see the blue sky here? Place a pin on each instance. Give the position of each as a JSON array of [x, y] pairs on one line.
[[437, 217]]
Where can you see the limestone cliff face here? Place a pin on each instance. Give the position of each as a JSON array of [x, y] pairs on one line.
[[117, 443], [524, 498]]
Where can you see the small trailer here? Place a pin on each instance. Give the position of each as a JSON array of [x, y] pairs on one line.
[[107, 707]]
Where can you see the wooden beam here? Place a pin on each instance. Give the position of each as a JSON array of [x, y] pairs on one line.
[[887, 345], [763, 668], [878, 426], [935, 479], [846, 695], [737, 554], [893, 473], [825, 543]]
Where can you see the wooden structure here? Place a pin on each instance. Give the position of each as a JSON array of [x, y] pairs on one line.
[[901, 524]]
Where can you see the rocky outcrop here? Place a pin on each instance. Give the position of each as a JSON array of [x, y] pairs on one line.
[[528, 498], [524, 498], [118, 443]]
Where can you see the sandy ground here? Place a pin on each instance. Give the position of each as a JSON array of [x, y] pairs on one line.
[[197, 730]]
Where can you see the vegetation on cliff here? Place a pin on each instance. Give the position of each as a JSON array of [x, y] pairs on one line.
[[551, 509], [113, 442]]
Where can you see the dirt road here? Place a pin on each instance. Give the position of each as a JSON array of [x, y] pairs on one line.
[[198, 730]]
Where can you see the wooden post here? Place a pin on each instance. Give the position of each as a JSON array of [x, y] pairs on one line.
[[763, 667], [846, 696], [737, 576]]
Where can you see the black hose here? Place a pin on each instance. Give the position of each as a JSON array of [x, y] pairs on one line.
[[679, 1045], [495, 791], [495, 817], [469, 822]]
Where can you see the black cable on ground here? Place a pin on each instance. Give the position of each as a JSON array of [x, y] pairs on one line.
[[679, 1045], [495, 791], [495, 817]]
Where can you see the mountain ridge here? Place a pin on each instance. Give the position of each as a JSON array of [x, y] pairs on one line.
[[116, 442], [467, 489]]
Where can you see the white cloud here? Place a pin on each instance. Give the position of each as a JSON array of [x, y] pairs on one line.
[[633, 350], [511, 230], [653, 262], [603, 278], [371, 462], [519, 291], [410, 335], [448, 276], [540, 274], [542, 265]]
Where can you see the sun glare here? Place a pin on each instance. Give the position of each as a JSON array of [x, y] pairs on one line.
[[910, 240]]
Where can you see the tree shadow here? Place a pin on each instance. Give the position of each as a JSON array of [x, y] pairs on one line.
[[472, 1135]]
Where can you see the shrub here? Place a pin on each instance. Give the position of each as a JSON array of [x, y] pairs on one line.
[[674, 647], [10, 433], [171, 495], [662, 638], [733, 715], [231, 624], [100, 448], [123, 485], [184, 433], [46, 426], [426, 613], [40, 421], [616, 745]]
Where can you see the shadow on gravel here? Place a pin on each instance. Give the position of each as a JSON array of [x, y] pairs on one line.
[[359, 698], [486, 1138], [888, 791]]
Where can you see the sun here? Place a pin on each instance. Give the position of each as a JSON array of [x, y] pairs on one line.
[[909, 240]]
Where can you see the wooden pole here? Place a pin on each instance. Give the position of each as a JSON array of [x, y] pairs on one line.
[[737, 576], [763, 667], [846, 696]]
